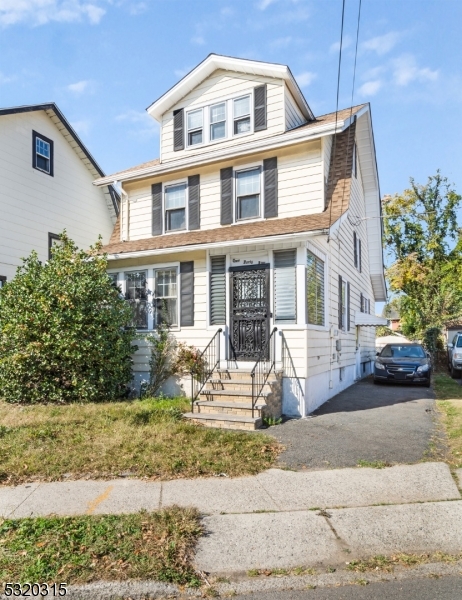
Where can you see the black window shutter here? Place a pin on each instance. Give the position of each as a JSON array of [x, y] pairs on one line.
[[218, 290], [360, 257], [340, 303], [156, 191], [355, 249], [259, 108], [194, 201], [270, 174], [348, 307], [361, 302], [178, 129], [187, 293], [226, 178]]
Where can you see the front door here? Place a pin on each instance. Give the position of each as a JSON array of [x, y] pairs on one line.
[[250, 311]]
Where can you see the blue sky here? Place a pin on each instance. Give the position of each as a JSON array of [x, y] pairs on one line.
[[104, 61]]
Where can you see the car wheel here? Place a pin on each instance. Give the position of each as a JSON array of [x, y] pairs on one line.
[[455, 373], [427, 384], [376, 382]]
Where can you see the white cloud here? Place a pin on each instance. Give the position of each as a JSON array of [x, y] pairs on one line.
[[82, 127], [198, 39], [282, 42], [40, 12], [335, 47], [405, 70], [6, 78], [80, 87], [138, 8], [143, 125], [370, 88], [382, 43], [304, 79], [263, 4]]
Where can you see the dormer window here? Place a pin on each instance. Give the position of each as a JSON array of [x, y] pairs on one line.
[[218, 121], [175, 207], [195, 125], [241, 115]]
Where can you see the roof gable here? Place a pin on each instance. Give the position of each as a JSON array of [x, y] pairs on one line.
[[214, 62]]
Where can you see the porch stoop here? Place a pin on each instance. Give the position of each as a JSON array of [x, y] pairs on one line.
[[226, 401]]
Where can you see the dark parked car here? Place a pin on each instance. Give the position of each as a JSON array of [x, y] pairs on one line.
[[403, 363]]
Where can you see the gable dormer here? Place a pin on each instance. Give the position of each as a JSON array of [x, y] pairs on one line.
[[225, 102]]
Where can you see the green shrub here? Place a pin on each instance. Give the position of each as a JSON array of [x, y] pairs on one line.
[[63, 330]]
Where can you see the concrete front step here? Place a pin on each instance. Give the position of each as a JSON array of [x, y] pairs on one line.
[[230, 408], [235, 384], [224, 421], [231, 393], [239, 374]]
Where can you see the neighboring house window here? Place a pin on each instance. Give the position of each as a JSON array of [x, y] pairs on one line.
[[2, 280], [218, 290], [166, 296], [241, 113], [365, 305], [195, 133], [248, 193], [42, 153], [218, 121], [53, 240], [114, 277], [136, 295], [343, 304], [175, 207], [285, 287], [315, 294]]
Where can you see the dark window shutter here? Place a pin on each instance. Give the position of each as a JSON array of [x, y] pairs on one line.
[[355, 249], [348, 306], [226, 178], [361, 302], [156, 191], [259, 108], [218, 290], [340, 303], [178, 129], [270, 174], [187, 293], [360, 257], [194, 201]]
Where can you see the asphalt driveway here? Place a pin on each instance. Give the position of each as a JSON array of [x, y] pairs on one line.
[[366, 422]]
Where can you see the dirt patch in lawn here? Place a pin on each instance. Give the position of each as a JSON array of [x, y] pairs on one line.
[[157, 545], [449, 401], [146, 438]]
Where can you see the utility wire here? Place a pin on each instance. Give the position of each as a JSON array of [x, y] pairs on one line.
[[334, 145]]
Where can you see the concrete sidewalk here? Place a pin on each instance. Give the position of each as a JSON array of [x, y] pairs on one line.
[[273, 490]]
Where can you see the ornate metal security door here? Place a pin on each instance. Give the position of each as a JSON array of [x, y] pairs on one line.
[[250, 311]]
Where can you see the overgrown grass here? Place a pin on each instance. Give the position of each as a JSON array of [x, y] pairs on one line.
[[145, 545], [449, 401], [388, 563], [146, 438]]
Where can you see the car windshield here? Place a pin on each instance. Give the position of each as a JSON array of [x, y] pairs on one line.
[[395, 351], [459, 342]]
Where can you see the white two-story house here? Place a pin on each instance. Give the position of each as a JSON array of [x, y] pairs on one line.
[[47, 175], [257, 230]]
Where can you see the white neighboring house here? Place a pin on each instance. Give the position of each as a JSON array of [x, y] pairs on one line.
[[46, 176], [257, 215]]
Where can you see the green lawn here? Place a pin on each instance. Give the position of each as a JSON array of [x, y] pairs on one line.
[[146, 438], [449, 401], [157, 545]]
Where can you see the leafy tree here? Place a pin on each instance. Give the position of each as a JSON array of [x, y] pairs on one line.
[[421, 238], [63, 330]]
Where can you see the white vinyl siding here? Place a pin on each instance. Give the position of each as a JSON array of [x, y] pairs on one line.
[[285, 286], [294, 117]]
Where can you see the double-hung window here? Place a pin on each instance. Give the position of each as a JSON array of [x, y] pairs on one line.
[[175, 207], [42, 158], [136, 295], [166, 296], [218, 121], [241, 115], [248, 193], [195, 127], [315, 293]]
